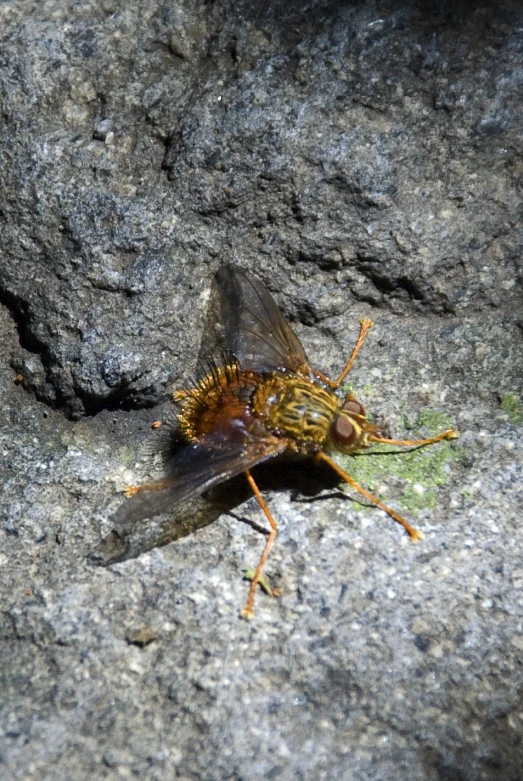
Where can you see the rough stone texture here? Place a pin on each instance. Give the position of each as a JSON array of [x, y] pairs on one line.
[[363, 158]]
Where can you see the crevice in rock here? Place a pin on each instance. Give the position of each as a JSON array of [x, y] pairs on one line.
[[18, 309], [38, 381]]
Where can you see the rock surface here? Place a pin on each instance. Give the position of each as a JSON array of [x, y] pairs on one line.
[[362, 158]]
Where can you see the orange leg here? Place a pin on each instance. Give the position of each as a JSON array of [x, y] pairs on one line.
[[248, 610], [450, 433], [131, 490], [414, 535], [365, 325]]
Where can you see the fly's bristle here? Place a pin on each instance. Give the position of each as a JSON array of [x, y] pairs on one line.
[[216, 383]]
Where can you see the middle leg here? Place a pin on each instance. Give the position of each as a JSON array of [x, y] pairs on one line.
[[248, 610], [413, 533]]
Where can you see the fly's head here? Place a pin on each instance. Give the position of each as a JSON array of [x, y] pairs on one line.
[[350, 428]]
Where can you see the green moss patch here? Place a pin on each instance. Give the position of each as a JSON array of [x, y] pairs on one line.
[[511, 404], [420, 471]]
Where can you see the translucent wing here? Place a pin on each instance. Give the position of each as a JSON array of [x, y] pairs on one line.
[[218, 456], [255, 330], [133, 540]]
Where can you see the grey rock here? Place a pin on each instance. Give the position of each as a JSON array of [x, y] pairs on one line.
[[362, 159]]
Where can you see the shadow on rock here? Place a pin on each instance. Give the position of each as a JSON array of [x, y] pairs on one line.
[[122, 543]]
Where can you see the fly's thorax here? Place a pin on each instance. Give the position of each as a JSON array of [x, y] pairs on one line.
[[298, 408]]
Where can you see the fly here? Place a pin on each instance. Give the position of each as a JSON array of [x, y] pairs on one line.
[[261, 401]]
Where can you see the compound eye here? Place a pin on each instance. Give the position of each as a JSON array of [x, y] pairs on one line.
[[354, 407], [344, 432]]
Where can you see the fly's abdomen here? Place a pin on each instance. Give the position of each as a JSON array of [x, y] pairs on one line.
[[222, 395]]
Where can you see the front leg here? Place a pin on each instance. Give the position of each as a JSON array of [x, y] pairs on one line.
[[365, 326]]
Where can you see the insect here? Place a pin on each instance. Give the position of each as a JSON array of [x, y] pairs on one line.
[[262, 400]]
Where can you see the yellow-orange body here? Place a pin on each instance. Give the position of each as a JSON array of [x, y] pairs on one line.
[[293, 407]]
